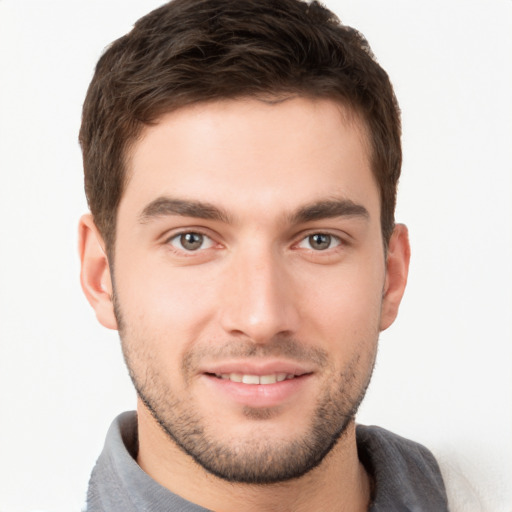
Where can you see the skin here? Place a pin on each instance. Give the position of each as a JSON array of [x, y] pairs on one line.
[[256, 294]]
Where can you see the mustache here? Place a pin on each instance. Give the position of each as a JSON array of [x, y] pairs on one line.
[[280, 347]]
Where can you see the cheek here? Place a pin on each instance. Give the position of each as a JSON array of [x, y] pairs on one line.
[[166, 308], [347, 299]]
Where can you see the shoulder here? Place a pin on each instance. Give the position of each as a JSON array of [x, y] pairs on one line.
[[377, 443], [406, 476]]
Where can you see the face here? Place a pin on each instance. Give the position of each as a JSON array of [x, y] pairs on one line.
[[251, 281]]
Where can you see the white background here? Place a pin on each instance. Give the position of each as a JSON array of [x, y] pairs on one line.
[[444, 369]]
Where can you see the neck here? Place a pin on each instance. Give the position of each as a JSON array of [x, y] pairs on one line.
[[339, 483]]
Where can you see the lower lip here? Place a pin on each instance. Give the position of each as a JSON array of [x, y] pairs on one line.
[[258, 395]]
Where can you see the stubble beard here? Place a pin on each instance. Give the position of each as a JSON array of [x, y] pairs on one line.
[[257, 460]]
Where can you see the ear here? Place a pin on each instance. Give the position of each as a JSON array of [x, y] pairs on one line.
[[397, 269], [95, 272]]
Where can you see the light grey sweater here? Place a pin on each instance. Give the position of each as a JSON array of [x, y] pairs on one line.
[[405, 474]]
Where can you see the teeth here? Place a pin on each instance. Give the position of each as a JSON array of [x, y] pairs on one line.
[[256, 379], [268, 379], [250, 379]]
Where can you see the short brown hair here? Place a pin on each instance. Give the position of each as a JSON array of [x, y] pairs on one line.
[[190, 51]]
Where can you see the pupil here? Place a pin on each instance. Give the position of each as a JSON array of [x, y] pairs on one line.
[[320, 241], [191, 241]]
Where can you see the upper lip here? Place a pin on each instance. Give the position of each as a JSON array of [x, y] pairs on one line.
[[254, 367]]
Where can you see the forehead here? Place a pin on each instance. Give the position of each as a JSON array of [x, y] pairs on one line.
[[252, 155]]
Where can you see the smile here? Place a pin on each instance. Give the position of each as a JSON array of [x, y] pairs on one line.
[[255, 379], [257, 385]]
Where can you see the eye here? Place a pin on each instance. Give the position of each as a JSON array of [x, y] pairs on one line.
[[319, 242], [191, 241]]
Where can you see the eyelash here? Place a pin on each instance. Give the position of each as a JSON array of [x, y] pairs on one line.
[[331, 238], [179, 238], [305, 239]]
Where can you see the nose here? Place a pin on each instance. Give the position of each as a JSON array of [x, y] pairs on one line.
[[258, 299]]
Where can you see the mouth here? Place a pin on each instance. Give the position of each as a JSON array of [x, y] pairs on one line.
[[250, 379], [258, 383]]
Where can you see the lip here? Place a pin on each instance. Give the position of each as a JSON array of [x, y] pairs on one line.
[[257, 395], [257, 367]]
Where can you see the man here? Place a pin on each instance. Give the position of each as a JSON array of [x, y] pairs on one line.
[[241, 161]]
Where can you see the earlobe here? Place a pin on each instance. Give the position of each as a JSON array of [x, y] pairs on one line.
[[95, 272], [397, 269]]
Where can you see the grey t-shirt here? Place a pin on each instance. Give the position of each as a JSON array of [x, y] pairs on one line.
[[406, 477]]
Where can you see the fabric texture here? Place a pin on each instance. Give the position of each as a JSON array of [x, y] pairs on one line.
[[406, 477], [405, 474]]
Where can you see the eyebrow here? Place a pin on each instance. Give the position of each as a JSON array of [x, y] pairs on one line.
[[328, 209], [163, 206], [318, 210]]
